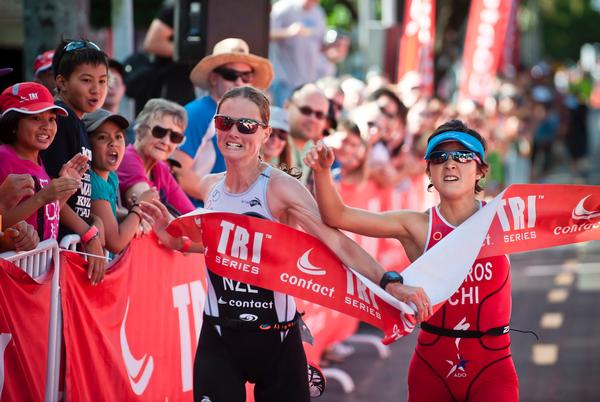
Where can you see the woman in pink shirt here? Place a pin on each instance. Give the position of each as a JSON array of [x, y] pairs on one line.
[[158, 131], [28, 126]]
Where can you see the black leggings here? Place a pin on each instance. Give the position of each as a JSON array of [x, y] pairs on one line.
[[225, 362]]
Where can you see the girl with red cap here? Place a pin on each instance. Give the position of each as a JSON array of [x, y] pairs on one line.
[[28, 126]]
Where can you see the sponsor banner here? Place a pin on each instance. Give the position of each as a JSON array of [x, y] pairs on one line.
[[510, 54], [278, 257], [417, 42], [134, 336], [24, 318], [523, 217], [484, 45]]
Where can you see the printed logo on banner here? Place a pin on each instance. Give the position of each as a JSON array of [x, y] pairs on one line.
[[134, 366], [581, 213], [245, 246], [4, 340], [304, 265], [522, 217], [359, 296]]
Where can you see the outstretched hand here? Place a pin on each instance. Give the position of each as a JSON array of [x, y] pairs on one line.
[[320, 158], [412, 295], [157, 215], [75, 168]]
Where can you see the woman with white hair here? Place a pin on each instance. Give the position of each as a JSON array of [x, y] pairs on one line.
[[158, 131]]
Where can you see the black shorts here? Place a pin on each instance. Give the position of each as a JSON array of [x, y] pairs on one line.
[[224, 363]]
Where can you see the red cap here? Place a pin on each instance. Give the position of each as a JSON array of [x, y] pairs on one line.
[[28, 98], [43, 62]]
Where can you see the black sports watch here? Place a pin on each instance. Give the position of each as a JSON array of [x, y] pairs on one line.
[[390, 276]]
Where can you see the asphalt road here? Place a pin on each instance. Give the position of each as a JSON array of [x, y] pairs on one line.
[[555, 293]]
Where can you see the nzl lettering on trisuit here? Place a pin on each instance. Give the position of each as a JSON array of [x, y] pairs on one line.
[[522, 218], [238, 247], [359, 296]]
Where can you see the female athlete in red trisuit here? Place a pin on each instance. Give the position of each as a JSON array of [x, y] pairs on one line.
[[463, 351]]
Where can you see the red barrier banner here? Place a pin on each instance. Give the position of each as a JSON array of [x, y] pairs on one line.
[[417, 42], [484, 45], [134, 336], [278, 257], [24, 318]]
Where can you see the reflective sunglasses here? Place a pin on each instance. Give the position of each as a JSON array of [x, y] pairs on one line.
[[281, 134], [160, 132], [307, 111], [439, 157], [232, 75], [80, 44], [244, 125]]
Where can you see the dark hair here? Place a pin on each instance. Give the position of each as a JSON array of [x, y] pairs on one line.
[[64, 63], [254, 95], [112, 63], [458, 125], [402, 109], [8, 127], [350, 127]]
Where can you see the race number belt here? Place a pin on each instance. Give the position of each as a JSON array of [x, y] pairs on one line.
[[455, 333], [242, 325]]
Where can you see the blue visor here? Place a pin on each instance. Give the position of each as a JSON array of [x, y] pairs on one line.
[[467, 140]]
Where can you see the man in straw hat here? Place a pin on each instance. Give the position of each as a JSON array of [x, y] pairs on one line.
[[230, 65]]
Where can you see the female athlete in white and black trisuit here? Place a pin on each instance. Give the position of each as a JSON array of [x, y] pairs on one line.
[[232, 350]]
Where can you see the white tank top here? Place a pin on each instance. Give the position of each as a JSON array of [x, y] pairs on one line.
[[238, 300]]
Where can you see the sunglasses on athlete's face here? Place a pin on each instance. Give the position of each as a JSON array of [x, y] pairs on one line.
[[160, 132], [229, 74], [307, 111], [282, 135], [244, 125], [439, 157], [80, 44]]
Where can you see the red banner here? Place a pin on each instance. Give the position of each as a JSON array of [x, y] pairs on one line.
[[278, 257], [510, 55], [484, 45], [134, 336], [24, 317], [417, 42]]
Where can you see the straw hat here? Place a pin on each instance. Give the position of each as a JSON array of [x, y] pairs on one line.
[[232, 50]]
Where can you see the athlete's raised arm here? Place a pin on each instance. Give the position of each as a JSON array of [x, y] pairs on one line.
[[335, 213], [292, 204]]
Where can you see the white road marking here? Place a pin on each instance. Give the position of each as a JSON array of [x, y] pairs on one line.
[[544, 354], [551, 320]]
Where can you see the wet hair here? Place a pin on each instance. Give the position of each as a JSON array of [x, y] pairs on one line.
[[252, 94], [402, 109], [64, 63], [458, 125]]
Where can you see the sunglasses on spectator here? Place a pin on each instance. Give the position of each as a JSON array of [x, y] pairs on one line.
[[336, 105], [439, 157], [160, 132], [244, 125], [307, 111], [229, 74], [281, 134], [80, 44]]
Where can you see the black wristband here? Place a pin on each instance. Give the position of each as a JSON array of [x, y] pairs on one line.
[[390, 276]]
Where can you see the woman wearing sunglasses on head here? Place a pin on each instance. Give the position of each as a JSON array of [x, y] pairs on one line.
[[158, 131], [232, 351], [463, 351]]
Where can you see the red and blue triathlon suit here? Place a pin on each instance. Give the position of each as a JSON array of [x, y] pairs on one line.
[[463, 351]]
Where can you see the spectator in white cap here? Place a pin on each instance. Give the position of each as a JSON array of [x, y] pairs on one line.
[[277, 151], [229, 66], [42, 70]]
